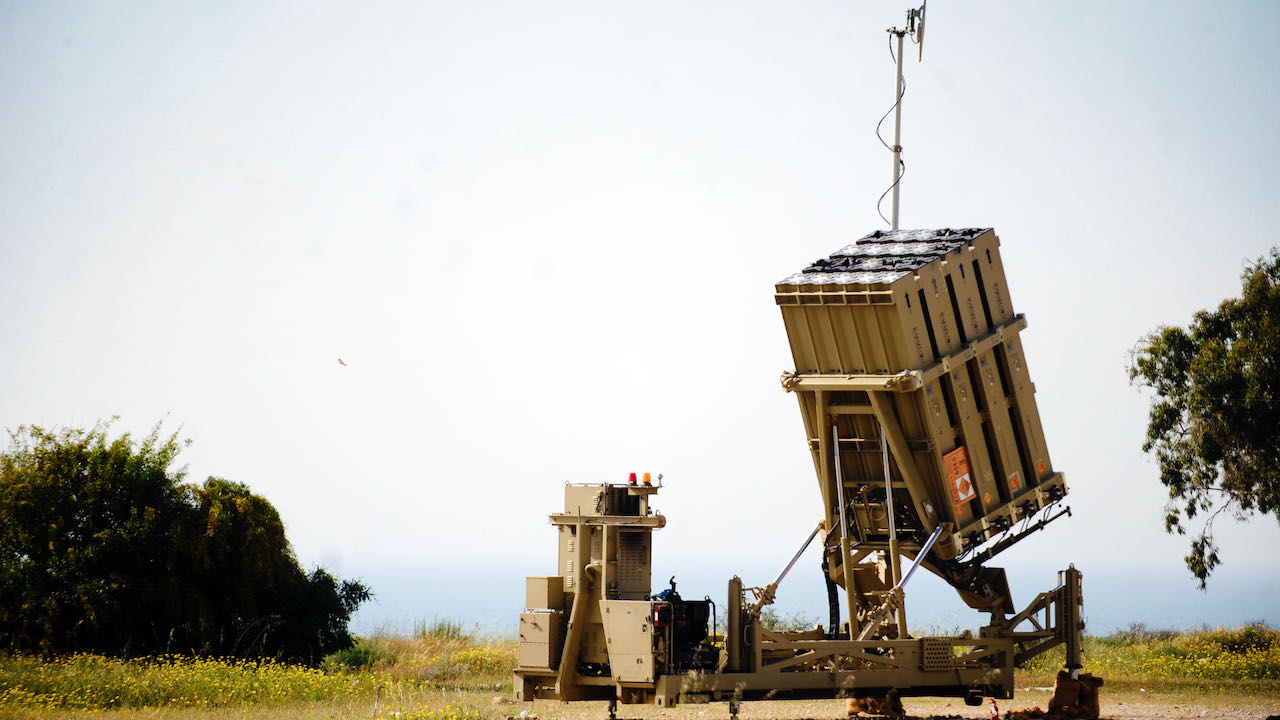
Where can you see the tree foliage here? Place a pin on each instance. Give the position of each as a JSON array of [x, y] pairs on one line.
[[104, 548], [1215, 416]]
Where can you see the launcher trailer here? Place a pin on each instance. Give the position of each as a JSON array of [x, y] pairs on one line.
[[921, 420]]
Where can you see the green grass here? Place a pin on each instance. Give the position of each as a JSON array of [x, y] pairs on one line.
[[1244, 659], [89, 682], [450, 675], [404, 674]]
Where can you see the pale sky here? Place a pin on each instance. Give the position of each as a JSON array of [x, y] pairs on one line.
[[544, 237]]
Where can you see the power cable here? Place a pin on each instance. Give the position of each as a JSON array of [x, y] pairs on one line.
[[902, 165]]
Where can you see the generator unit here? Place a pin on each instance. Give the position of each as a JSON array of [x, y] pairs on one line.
[[920, 416]]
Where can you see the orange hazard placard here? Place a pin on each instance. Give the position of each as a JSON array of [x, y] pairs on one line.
[[960, 482]]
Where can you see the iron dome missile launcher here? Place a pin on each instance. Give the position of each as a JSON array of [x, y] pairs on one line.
[[920, 417]]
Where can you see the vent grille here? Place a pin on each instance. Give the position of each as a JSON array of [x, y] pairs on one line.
[[935, 654], [633, 559]]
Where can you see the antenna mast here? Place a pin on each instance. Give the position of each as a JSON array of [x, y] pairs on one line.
[[915, 28]]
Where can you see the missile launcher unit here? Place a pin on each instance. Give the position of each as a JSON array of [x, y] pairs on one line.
[[920, 417]]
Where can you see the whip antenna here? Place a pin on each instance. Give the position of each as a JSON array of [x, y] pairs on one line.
[[914, 28]]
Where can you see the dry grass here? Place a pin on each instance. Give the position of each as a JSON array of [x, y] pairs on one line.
[[446, 662]]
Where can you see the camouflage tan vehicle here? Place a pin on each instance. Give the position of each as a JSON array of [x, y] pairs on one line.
[[920, 416]]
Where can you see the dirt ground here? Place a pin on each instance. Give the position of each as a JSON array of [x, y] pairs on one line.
[[1128, 705], [1121, 706]]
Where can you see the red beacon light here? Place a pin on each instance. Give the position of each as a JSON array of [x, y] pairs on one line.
[[631, 479]]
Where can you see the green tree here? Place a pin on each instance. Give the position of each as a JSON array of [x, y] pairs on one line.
[[104, 548], [1215, 416]]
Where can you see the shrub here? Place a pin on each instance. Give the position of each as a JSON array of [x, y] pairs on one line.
[[771, 619], [104, 549], [1139, 632], [360, 656], [1255, 637]]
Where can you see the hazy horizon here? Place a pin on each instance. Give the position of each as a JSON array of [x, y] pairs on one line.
[[488, 593]]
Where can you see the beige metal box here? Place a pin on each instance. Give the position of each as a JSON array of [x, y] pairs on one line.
[[540, 639], [544, 592]]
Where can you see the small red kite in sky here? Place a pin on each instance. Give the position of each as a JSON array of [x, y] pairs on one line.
[[341, 363]]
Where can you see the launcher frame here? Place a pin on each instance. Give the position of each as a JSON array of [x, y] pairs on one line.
[[921, 420]]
